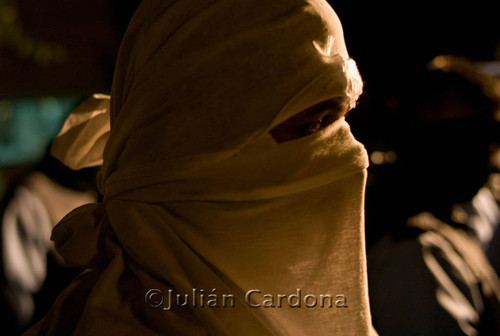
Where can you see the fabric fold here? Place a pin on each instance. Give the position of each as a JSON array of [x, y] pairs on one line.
[[81, 141], [79, 236], [199, 198]]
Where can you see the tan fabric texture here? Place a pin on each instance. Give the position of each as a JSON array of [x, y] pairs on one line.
[[198, 197], [81, 141]]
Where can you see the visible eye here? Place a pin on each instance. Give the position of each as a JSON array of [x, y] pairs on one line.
[[313, 127], [330, 118], [310, 120]]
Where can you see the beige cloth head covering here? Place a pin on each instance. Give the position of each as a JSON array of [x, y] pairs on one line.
[[196, 192]]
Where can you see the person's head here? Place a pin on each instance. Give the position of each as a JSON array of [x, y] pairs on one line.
[[446, 121], [215, 77]]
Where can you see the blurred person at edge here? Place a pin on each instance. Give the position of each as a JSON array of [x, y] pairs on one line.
[[439, 266], [228, 169]]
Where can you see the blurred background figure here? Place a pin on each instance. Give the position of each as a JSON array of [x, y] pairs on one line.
[[31, 272], [431, 209], [53, 54]]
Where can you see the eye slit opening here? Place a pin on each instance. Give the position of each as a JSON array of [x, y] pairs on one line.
[[310, 120]]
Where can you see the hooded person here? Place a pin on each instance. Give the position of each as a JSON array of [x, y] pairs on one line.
[[223, 212]]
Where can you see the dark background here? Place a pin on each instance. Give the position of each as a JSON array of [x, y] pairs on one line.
[[388, 40]]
